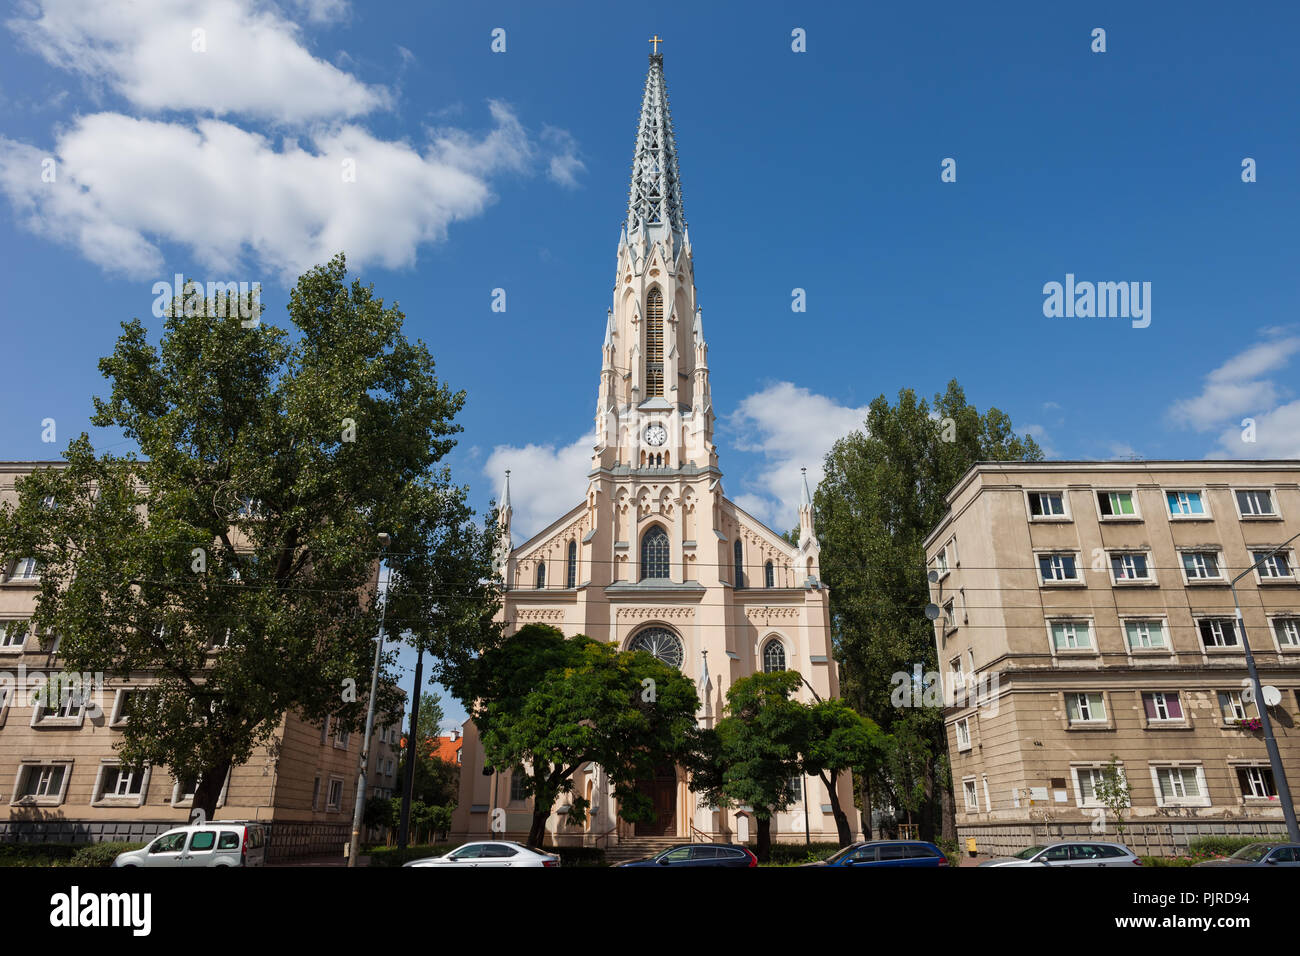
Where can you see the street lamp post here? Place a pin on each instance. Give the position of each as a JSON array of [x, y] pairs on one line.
[[1270, 743], [359, 810]]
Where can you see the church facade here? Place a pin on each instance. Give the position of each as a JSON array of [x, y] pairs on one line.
[[655, 557]]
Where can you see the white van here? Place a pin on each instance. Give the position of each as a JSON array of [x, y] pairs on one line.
[[219, 843]]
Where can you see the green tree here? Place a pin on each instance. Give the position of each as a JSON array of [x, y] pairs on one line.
[[234, 556], [883, 492], [1113, 793], [550, 704], [754, 752], [840, 739]]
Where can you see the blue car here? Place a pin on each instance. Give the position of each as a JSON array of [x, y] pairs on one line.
[[886, 853]]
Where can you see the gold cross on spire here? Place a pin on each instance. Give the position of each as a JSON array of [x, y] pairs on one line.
[[654, 42]]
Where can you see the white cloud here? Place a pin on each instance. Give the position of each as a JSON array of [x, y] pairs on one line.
[[1237, 387], [253, 60], [565, 164], [1276, 434], [1039, 434], [545, 481], [791, 427]]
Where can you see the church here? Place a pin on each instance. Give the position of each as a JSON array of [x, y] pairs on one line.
[[655, 557]]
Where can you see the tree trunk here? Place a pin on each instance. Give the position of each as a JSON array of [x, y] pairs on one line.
[[208, 790], [764, 825], [841, 818], [949, 827], [412, 755], [864, 794], [537, 832]]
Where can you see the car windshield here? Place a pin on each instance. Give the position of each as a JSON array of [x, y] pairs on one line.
[[1028, 853], [1253, 853], [842, 853]]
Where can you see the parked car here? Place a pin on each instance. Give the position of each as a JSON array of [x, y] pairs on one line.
[[699, 854], [218, 843], [1080, 853], [496, 853], [1260, 854], [876, 853]]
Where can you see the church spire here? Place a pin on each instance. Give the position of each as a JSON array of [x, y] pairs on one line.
[[655, 197]]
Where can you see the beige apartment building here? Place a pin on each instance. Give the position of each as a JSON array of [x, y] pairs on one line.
[[59, 776], [1085, 612]]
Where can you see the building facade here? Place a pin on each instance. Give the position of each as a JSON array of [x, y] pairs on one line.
[[1085, 614], [655, 556], [59, 775]]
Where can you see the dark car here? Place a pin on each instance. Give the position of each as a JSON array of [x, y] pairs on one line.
[[1261, 854], [886, 853], [699, 854]]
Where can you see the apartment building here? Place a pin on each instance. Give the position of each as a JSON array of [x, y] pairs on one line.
[[59, 775], [1085, 614]]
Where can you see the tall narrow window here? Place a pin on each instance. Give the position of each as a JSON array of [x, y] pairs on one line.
[[573, 564], [654, 345], [541, 574], [740, 564], [769, 575], [773, 656], [655, 555]]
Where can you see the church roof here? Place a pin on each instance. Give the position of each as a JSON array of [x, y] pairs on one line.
[[655, 196]]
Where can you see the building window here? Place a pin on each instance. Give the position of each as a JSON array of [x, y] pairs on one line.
[[341, 738], [1161, 706], [24, 570], [773, 656], [656, 554], [1145, 635], [1256, 782], [67, 710], [1256, 503], [518, 785], [972, 795], [1217, 632], [1057, 567], [962, 728], [42, 783], [1085, 708], [1185, 504], [13, 634], [335, 799], [654, 345], [769, 575], [541, 574], [573, 564], [1182, 785], [118, 784], [1130, 566], [949, 615], [1287, 631], [941, 561], [1233, 707], [1087, 781], [738, 554], [1116, 504], [660, 642], [315, 794], [1275, 567], [1071, 635], [1201, 566], [1046, 504], [796, 789]]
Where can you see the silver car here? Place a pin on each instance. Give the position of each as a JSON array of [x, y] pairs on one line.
[[1260, 854], [1072, 853], [212, 844], [495, 853]]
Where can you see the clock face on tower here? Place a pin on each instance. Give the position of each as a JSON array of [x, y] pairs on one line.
[[655, 435]]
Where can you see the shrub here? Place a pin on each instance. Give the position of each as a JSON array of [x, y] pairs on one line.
[[101, 854], [37, 854], [578, 855], [1211, 846], [792, 854], [392, 856]]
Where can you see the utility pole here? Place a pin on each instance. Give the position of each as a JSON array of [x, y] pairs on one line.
[[1270, 742], [359, 810]]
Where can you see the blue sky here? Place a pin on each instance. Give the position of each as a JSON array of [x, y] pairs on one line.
[[819, 170]]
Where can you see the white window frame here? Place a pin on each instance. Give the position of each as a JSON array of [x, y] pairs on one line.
[[329, 790], [1107, 519], [116, 716], [1276, 514], [1248, 765], [959, 728], [1235, 648], [970, 788], [1082, 703], [35, 765], [1086, 622], [21, 646], [1206, 513], [1160, 698], [315, 793], [1164, 648], [1065, 505], [1199, 580], [8, 690], [1182, 765], [1076, 581], [1278, 619], [1121, 553], [186, 800], [943, 562], [1286, 554], [341, 739], [40, 718], [30, 572], [1078, 769], [949, 615], [98, 798]]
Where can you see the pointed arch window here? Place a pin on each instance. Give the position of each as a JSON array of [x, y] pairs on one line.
[[739, 554], [769, 575], [573, 564], [773, 656], [655, 554], [654, 345], [541, 574]]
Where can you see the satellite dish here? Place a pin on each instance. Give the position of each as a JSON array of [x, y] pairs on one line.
[[934, 577], [932, 611], [1272, 696]]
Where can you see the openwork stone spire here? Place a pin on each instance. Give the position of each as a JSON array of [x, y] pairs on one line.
[[656, 194]]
